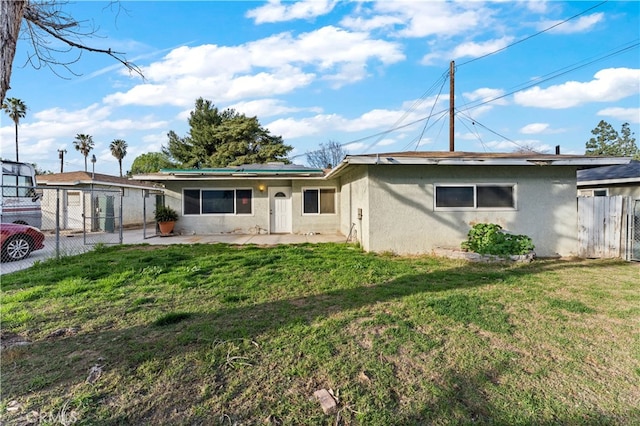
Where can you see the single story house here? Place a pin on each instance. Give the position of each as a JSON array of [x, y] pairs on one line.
[[406, 202], [622, 179], [77, 189]]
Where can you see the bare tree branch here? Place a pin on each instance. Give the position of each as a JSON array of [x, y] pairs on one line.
[[49, 18], [52, 34]]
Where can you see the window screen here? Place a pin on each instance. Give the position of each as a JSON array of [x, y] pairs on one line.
[[311, 201], [191, 201], [243, 201], [475, 196], [495, 196], [221, 201], [454, 196]]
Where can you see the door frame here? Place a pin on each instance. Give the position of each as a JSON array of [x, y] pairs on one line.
[[273, 190]]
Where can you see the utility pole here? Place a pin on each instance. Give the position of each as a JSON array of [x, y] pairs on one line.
[[451, 106], [61, 153]]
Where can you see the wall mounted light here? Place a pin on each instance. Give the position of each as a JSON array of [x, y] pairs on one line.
[[261, 187]]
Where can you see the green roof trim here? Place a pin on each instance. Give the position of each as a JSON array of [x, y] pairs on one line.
[[240, 171]]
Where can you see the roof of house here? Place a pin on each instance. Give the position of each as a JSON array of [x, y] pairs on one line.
[[460, 158], [457, 158], [86, 178], [623, 173], [270, 170]]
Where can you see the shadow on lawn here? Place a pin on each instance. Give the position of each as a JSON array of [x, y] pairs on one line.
[[463, 391]]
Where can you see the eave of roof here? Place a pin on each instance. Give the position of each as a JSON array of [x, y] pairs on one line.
[[609, 181], [444, 158], [86, 178], [251, 171]]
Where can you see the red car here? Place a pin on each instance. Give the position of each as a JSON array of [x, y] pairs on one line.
[[17, 241]]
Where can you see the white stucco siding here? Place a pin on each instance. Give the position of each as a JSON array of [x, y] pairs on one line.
[[257, 221], [328, 223], [355, 198], [133, 207], [403, 218]]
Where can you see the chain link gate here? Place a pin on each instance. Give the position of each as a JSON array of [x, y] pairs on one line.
[[102, 216]]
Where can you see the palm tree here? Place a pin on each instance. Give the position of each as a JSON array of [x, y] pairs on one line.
[[84, 144], [119, 150], [16, 109]]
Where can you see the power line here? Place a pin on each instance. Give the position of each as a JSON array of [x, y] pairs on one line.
[[430, 112], [414, 106], [534, 35], [553, 75], [547, 77]]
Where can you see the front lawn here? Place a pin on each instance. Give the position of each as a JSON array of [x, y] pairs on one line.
[[218, 334]]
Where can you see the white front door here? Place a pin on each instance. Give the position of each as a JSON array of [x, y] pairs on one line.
[[280, 207]]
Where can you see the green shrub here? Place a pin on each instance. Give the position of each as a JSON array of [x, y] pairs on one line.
[[489, 238]]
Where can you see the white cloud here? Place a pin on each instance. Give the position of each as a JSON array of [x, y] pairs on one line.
[[537, 6], [468, 49], [356, 147], [56, 128], [422, 18], [582, 24], [376, 119], [275, 11], [268, 108], [510, 146], [485, 94], [91, 113], [630, 115], [534, 128], [376, 22], [474, 50], [291, 128], [540, 128], [608, 85], [386, 142], [271, 66]]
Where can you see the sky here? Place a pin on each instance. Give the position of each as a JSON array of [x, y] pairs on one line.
[[372, 76]]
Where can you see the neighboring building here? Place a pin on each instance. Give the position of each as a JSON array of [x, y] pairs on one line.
[[408, 202], [76, 191], [623, 179]]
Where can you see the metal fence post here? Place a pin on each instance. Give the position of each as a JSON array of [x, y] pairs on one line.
[[121, 213], [57, 223]]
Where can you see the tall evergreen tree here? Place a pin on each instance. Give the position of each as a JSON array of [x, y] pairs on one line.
[[84, 144], [222, 138], [607, 141], [627, 142], [119, 150], [15, 109]]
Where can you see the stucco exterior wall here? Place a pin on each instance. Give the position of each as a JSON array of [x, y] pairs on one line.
[[259, 220], [256, 222], [354, 198], [403, 218], [314, 223]]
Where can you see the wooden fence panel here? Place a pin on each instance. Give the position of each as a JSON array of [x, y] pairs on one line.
[[601, 223]]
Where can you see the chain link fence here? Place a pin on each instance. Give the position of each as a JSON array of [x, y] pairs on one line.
[[73, 221]]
